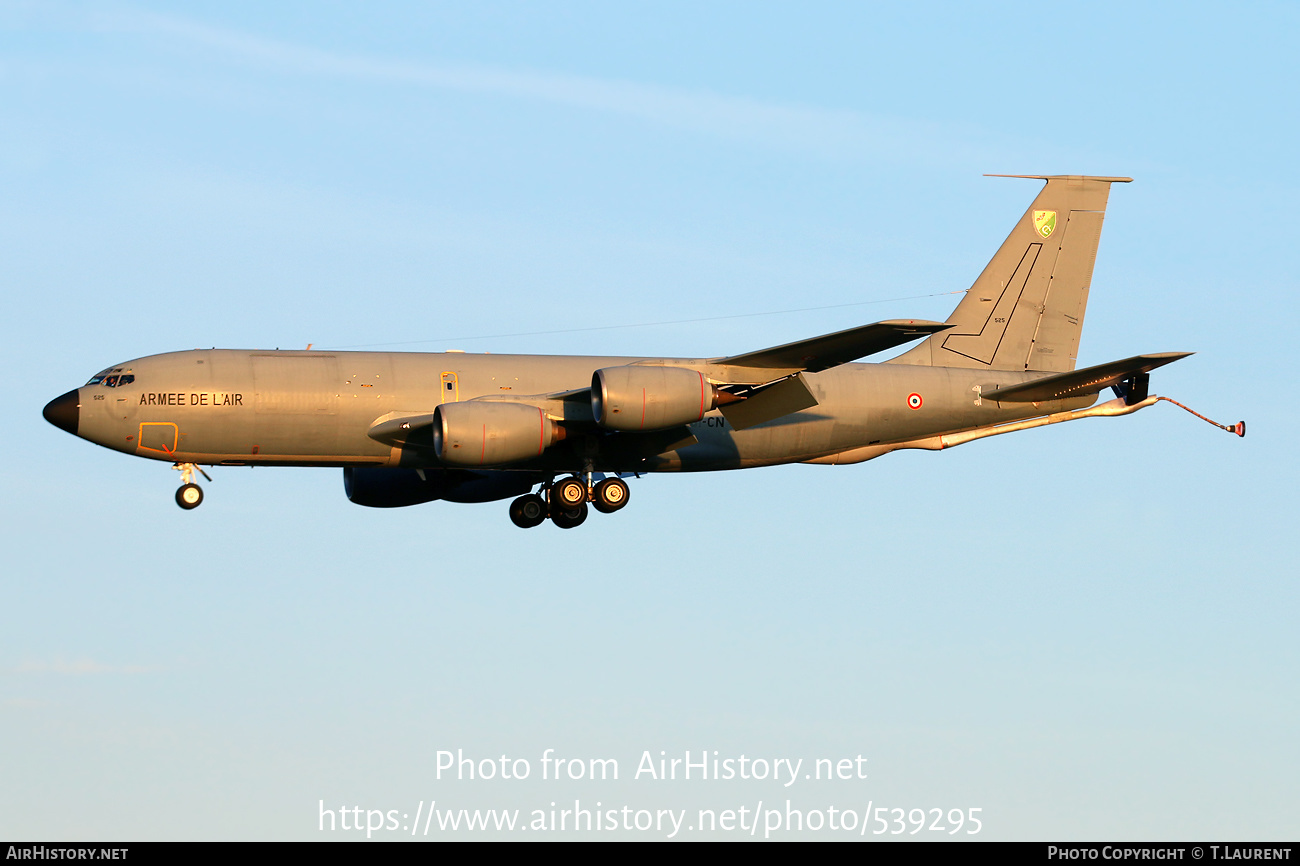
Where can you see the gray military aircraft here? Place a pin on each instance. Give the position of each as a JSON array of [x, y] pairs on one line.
[[409, 428]]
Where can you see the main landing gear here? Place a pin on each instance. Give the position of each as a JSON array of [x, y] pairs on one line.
[[610, 495], [189, 495], [567, 518], [565, 502], [528, 511]]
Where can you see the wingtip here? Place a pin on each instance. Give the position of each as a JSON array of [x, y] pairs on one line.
[[1066, 177]]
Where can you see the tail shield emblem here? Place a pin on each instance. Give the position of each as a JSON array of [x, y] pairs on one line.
[[1044, 222]]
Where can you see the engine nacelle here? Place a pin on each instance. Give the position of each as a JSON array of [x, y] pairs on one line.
[[491, 434], [650, 398], [382, 487], [392, 487]]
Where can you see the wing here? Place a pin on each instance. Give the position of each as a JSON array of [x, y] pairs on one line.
[[764, 385], [1078, 383], [775, 386], [831, 350]]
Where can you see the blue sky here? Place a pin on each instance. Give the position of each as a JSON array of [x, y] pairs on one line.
[[1086, 631]]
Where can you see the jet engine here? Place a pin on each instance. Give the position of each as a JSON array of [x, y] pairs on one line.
[[491, 434], [392, 487], [651, 398]]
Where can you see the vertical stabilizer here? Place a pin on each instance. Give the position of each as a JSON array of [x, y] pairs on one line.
[[1025, 312]]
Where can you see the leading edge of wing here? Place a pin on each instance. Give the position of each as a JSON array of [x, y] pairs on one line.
[[831, 350], [1077, 383]]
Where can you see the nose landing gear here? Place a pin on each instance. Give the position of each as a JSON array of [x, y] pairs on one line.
[[189, 495]]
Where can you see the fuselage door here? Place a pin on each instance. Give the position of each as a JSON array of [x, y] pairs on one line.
[[450, 388]]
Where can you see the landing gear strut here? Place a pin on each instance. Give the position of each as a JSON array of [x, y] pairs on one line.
[[189, 495]]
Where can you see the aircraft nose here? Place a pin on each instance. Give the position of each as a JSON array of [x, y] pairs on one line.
[[64, 412]]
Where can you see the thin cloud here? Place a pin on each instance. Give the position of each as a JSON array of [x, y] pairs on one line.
[[822, 130], [80, 667]]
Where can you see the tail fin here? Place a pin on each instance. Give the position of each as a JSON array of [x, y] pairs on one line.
[[1025, 312]]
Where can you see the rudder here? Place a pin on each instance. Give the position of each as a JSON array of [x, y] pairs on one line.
[[1025, 311]]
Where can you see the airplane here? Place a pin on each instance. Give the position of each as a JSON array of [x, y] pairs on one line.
[[557, 433]]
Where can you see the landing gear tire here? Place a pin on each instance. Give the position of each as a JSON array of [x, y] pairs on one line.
[[568, 494], [528, 511], [189, 496], [570, 518], [610, 495]]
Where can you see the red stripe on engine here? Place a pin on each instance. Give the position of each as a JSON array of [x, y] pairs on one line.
[[701, 418], [482, 455]]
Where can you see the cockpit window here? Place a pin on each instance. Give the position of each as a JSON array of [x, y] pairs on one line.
[[111, 378]]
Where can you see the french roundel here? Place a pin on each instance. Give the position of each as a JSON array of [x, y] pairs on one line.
[[914, 400]]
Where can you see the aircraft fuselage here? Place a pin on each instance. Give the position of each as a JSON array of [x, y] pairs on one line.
[[238, 407]]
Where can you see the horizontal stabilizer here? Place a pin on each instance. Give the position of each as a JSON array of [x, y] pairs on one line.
[[1065, 177], [1078, 383], [831, 350]]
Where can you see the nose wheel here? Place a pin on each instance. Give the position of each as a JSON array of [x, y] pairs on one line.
[[189, 495]]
